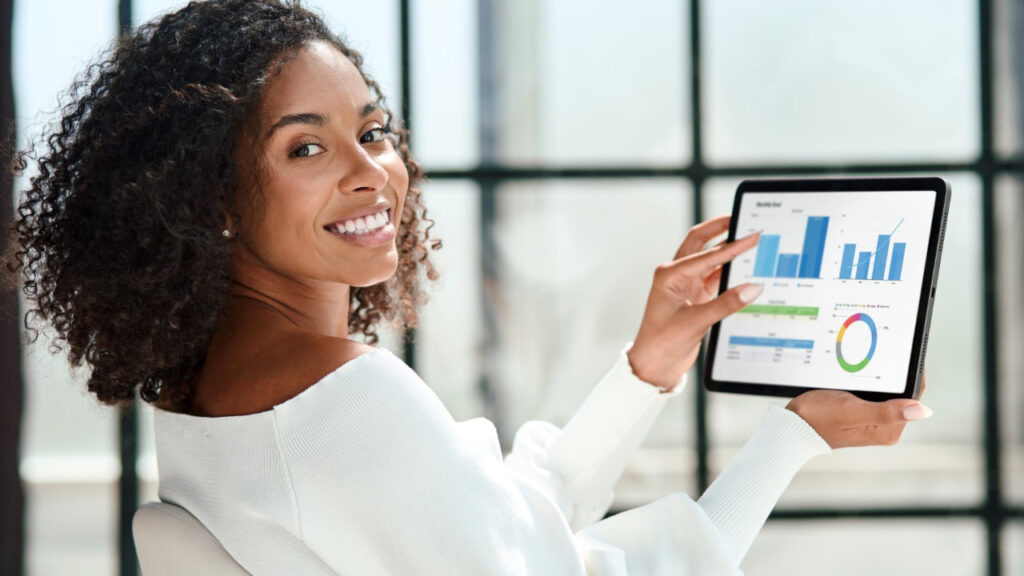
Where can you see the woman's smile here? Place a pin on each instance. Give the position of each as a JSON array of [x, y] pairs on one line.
[[369, 231]]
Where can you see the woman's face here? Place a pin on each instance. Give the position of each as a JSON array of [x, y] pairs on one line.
[[333, 184]]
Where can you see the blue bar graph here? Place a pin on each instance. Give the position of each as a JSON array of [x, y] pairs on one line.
[[767, 251], [787, 266], [814, 247], [846, 268], [770, 263], [896, 268], [873, 264], [863, 261], [881, 257]]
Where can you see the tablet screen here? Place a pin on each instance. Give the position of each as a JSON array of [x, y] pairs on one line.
[[842, 273]]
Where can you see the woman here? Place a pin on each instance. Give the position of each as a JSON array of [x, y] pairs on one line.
[[226, 201]]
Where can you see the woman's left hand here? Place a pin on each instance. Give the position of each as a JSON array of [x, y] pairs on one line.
[[682, 304]]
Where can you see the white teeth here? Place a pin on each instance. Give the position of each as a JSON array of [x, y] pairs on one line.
[[363, 225]]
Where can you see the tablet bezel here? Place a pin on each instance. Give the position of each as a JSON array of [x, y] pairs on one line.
[[928, 284]]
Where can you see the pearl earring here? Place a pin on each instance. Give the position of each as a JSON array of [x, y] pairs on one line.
[[226, 233]]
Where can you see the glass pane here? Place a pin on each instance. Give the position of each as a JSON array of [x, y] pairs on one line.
[[1009, 213], [804, 81], [950, 547], [1008, 20], [939, 460], [371, 28], [445, 83], [448, 343], [67, 434], [145, 10], [71, 529], [585, 82], [68, 450], [575, 261], [1013, 544]]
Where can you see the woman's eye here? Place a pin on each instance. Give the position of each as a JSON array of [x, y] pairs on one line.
[[307, 149], [379, 132]]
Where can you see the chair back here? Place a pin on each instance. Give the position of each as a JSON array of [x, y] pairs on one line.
[[169, 542]]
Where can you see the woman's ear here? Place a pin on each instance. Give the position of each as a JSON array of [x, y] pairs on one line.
[[229, 226]]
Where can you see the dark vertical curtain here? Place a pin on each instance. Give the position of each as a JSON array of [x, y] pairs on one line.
[[12, 533]]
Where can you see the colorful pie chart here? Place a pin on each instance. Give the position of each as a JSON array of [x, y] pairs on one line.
[[849, 367]]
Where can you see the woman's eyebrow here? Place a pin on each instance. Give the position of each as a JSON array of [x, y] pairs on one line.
[[303, 118], [314, 118]]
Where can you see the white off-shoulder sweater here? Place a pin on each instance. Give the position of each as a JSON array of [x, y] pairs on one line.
[[367, 473]]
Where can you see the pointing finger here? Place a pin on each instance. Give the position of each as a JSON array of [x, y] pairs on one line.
[[701, 234], [728, 302], [704, 262]]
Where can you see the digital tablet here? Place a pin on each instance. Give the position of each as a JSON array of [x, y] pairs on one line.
[[849, 267]]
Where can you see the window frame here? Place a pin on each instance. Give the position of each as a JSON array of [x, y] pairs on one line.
[[995, 511]]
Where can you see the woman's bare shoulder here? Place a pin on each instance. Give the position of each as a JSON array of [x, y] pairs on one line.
[[257, 377]]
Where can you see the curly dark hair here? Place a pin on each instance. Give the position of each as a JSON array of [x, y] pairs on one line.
[[118, 239]]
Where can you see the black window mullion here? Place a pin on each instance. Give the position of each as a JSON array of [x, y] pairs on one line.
[[128, 429], [994, 506], [404, 51], [487, 138], [698, 174]]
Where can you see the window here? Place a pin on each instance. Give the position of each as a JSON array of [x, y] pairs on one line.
[[569, 146]]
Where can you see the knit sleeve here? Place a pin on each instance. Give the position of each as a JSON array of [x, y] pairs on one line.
[[739, 501], [579, 465], [675, 535]]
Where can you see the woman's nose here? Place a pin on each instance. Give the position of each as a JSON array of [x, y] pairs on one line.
[[361, 170]]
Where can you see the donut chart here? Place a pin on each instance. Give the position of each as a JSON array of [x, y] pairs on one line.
[[859, 317]]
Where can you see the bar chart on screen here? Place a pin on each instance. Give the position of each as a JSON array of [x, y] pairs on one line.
[[881, 261], [770, 262]]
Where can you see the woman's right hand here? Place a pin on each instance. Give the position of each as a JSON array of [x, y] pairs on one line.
[[684, 302], [844, 420]]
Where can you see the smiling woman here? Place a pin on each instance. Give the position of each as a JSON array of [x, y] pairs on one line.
[[161, 192], [326, 160]]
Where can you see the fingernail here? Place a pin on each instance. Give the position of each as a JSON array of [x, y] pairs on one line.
[[752, 234], [751, 292], [917, 412]]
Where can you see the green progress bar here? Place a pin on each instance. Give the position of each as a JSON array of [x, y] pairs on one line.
[[780, 310]]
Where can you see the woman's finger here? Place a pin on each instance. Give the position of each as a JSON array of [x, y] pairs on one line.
[[728, 302], [711, 284], [859, 413], [701, 234], [703, 263]]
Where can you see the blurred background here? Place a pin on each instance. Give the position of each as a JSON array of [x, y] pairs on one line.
[[569, 146]]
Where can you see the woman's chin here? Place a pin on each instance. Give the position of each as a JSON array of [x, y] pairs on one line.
[[372, 278]]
